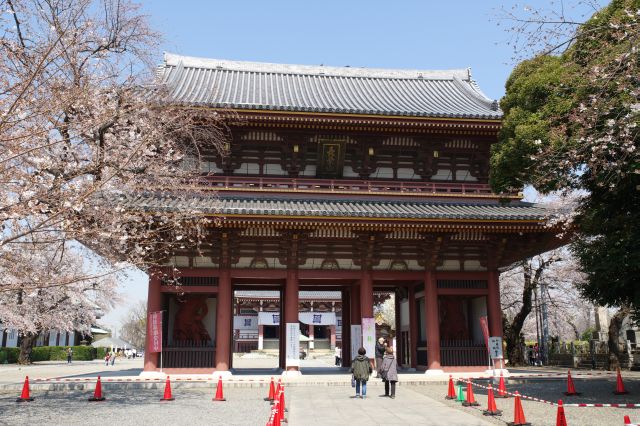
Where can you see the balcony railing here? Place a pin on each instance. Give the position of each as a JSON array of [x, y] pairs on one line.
[[242, 183]]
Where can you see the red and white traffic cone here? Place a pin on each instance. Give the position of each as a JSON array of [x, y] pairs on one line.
[[167, 391], [491, 410], [272, 392], [25, 396], [97, 393], [502, 389], [620, 390], [451, 391], [518, 413], [571, 389], [470, 401], [561, 420], [219, 392]]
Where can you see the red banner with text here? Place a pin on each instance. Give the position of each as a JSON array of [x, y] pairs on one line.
[[485, 330], [155, 331]]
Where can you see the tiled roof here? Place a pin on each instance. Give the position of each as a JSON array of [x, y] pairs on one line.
[[334, 208], [346, 90]]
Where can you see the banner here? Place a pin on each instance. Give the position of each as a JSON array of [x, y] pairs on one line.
[[356, 339], [317, 318], [293, 344], [245, 322], [269, 318], [155, 331], [485, 330], [369, 336], [495, 347]]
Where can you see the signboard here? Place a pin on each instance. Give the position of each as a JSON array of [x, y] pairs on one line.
[[495, 347], [155, 331], [369, 336], [317, 318], [356, 339], [293, 344], [485, 330], [245, 322], [268, 318]]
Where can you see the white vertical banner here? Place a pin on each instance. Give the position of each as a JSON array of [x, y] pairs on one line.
[[369, 336], [356, 339], [293, 344]]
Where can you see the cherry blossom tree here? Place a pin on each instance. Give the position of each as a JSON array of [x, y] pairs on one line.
[[134, 327], [81, 124]]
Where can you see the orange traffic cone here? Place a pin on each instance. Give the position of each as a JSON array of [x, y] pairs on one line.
[[97, 393], [571, 389], [502, 389], [470, 401], [219, 394], [278, 388], [272, 392], [167, 391], [282, 406], [24, 396], [561, 420], [451, 392], [620, 390], [276, 412], [491, 410], [518, 413], [627, 420]]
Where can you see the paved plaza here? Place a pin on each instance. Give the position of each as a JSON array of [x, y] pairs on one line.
[[61, 392]]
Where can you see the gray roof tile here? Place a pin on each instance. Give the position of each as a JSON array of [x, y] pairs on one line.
[[334, 208], [263, 86]]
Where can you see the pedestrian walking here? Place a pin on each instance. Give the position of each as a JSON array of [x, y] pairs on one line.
[[389, 372], [338, 354], [106, 359], [113, 358], [380, 347], [69, 355], [361, 370]]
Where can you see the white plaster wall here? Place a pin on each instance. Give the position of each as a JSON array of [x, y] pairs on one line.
[[473, 265], [442, 174]]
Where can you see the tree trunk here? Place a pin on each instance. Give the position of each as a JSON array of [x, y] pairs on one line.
[[26, 345], [614, 336], [513, 331]]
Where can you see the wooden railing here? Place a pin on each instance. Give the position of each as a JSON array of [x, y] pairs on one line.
[[242, 183], [455, 356], [193, 357]]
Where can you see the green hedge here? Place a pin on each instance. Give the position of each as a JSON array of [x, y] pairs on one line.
[[9, 355], [52, 353]]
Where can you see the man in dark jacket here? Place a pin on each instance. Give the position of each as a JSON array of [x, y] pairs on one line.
[[380, 348], [361, 369]]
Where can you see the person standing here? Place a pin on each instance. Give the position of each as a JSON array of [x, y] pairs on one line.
[[106, 359], [389, 372], [338, 354], [69, 355], [113, 358], [380, 346], [361, 370]]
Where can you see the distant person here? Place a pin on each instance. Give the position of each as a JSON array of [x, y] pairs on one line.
[[338, 354], [361, 370], [389, 372], [380, 347], [69, 355], [106, 359], [113, 358]]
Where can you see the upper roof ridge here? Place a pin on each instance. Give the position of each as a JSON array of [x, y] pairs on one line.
[[172, 59]]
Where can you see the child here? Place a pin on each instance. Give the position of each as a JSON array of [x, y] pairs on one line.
[[361, 369]]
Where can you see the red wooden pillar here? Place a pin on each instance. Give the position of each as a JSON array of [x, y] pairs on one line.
[[356, 317], [154, 304], [493, 304], [291, 306], [260, 337], [312, 330], [432, 321], [223, 321], [366, 294], [413, 328], [332, 342]]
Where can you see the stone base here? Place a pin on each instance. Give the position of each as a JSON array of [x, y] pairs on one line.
[[434, 372], [497, 371], [153, 375], [291, 373], [222, 374]]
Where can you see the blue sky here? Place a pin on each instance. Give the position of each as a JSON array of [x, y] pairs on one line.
[[423, 34]]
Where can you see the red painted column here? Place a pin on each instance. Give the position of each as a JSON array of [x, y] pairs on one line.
[[260, 337], [494, 309], [366, 294], [154, 303], [223, 321], [356, 318], [291, 306], [312, 331], [413, 328], [332, 330], [432, 321]]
